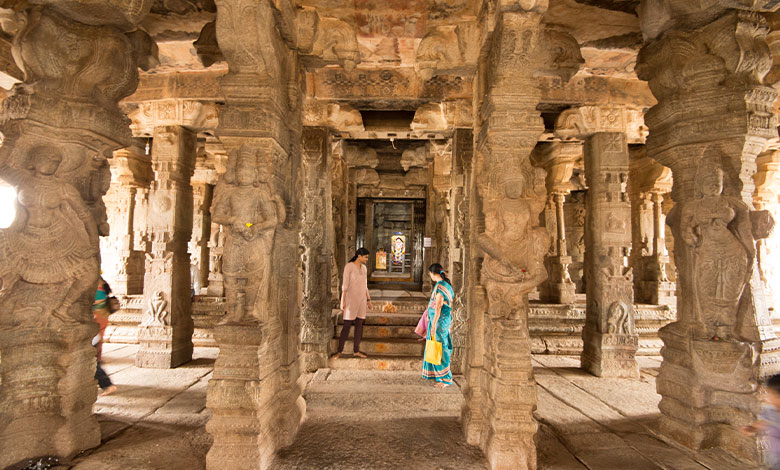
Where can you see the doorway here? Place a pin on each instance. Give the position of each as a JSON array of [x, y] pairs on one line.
[[393, 230]]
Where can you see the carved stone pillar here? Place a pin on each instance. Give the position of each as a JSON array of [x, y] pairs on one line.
[[609, 336], [316, 229], [767, 197], [460, 181], [559, 160], [711, 121], [254, 394], [648, 182], [165, 332], [58, 128], [202, 194], [508, 246], [122, 263], [216, 280]]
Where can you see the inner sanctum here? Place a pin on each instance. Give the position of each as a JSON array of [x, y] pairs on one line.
[[585, 189]]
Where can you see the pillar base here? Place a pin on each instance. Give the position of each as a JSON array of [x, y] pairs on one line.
[[158, 350], [609, 355], [48, 393]]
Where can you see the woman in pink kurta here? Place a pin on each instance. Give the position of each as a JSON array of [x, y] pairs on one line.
[[355, 300]]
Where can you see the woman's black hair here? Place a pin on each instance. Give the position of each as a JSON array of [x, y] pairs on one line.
[[360, 252], [436, 268]]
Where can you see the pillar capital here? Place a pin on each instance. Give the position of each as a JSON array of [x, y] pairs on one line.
[[559, 159], [647, 175], [584, 121], [132, 167], [192, 114]]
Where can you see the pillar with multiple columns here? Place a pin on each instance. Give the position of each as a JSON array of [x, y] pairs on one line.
[[59, 126], [559, 160], [711, 121]]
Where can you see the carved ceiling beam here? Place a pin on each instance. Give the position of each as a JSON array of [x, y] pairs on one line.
[[448, 50], [124, 14], [326, 41], [194, 115], [577, 123], [200, 86], [339, 117]]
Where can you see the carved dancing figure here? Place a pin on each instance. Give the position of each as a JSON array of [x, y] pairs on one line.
[[249, 209], [714, 226], [54, 238]]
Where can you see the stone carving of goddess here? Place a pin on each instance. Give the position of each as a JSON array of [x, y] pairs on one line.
[[54, 238], [713, 226], [515, 251], [250, 210]]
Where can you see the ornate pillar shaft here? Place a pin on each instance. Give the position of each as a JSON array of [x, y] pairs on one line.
[[122, 263], [708, 128], [316, 228], [201, 233], [254, 394], [648, 182], [609, 337], [165, 332], [501, 392], [58, 128], [460, 181]]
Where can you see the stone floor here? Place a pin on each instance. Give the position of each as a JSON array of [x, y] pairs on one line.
[[381, 420]]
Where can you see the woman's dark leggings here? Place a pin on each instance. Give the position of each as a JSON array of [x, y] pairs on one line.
[[103, 380], [345, 333]]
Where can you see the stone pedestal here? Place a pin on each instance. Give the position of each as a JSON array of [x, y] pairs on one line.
[[609, 338], [708, 129], [316, 228], [58, 128], [165, 334]]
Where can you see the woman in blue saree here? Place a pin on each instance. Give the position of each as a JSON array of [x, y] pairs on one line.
[[439, 321]]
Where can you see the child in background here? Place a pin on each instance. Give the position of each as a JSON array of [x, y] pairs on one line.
[[769, 422]]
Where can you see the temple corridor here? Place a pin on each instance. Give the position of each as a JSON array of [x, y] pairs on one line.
[[156, 421]]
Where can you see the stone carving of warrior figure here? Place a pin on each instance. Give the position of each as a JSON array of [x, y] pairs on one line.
[[713, 226], [250, 210], [54, 238], [515, 251]]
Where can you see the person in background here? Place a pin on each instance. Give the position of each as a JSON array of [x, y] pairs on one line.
[[439, 321], [769, 422], [100, 313], [355, 300], [195, 279]]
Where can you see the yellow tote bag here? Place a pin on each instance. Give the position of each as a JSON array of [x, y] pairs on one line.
[[433, 350]]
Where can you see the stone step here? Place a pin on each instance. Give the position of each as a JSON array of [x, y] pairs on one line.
[[400, 319], [390, 363], [388, 347], [383, 332]]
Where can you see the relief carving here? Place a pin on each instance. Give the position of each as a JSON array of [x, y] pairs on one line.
[[156, 312], [248, 207]]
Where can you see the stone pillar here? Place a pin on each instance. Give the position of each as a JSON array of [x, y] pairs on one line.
[[216, 281], [122, 263], [648, 182], [254, 393], [202, 194], [508, 245], [767, 197], [316, 229], [559, 160], [165, 332], [708, 127], [339, 211], [460, 181], [609, 336], [58, 127]]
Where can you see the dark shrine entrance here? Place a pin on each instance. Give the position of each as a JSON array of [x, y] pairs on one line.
[[393, 230]]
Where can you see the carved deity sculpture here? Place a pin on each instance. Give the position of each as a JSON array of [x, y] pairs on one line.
[[714, 226], [250, 210], [618, 319], [515, 251], [54, 238], [157, 311]]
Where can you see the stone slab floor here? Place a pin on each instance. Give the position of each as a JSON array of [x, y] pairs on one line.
[[366, 420]]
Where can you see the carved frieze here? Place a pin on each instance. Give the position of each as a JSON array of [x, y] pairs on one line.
[[196, 115]]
